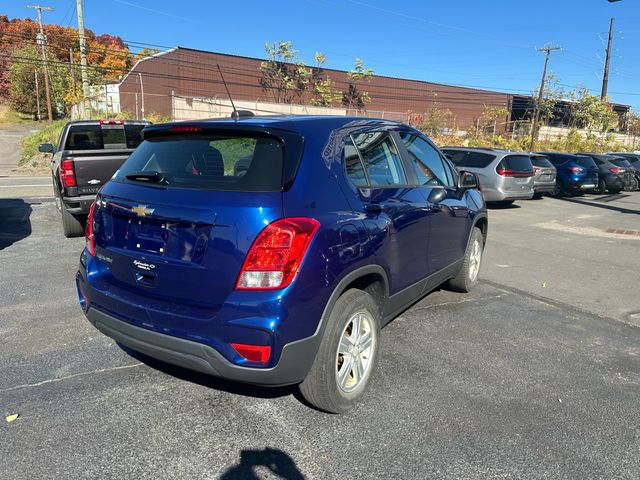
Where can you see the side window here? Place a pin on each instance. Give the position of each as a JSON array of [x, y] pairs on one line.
[[380, 158], [353, 165], [478, 160], [456, 156], [426, 161]]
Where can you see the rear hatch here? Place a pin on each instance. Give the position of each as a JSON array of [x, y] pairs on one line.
[[517, 171], [544, 170], [590, 172], [181, 214]]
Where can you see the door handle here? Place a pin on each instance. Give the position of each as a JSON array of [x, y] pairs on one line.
[[373, 207]]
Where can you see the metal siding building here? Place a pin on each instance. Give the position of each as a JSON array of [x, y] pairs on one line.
[[193, 73]]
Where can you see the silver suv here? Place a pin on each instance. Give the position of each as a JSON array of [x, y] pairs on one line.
[[503, 175]]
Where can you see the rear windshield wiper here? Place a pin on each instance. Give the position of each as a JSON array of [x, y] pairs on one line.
[[150, 176]]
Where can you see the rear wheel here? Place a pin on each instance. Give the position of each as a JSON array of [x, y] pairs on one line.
[[601, 188], [558, 189], [467, 277], [72, 225], [347, 355]]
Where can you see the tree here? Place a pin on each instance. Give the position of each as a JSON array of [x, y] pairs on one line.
[[593, 113], [354, 97], [324, 93], [489, 118], [146, 52], [551, 95], [283, 74]]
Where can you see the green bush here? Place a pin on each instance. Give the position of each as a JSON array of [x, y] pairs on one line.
[[49, 134]]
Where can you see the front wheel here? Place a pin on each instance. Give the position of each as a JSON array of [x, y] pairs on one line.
[[467, 277], [347, 354]]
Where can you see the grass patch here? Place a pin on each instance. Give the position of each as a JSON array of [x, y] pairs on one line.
[[10, 116], [49, 134]]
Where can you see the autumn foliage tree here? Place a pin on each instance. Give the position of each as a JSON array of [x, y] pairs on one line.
[[108, 57]]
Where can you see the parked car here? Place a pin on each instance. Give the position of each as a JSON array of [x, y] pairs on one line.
[[504, 176], [285, 272], [633, 158], [87, 155], [544, 179], [574, 175], [611, 178], [626, 164]]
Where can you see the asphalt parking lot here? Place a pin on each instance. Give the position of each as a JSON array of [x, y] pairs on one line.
[[536, 374]]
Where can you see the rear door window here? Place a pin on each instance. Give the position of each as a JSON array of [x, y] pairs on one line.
[[457, 157], [380, 159], [477, 160], [426, 161], [208, 162]]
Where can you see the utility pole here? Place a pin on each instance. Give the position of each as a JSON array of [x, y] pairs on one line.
[[73, 73], [83, 50], [605, 77], [35, 73], [536, 107], [41, 40]]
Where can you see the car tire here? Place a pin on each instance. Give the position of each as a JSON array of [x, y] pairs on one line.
[[601, 188], [467, 277], [343, 367], [558, 190], [72, 225]]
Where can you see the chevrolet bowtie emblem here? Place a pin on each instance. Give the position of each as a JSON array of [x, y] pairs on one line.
[[142, 210]]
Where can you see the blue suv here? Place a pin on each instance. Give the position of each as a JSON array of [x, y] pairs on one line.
[[574, 174], [271, 250]]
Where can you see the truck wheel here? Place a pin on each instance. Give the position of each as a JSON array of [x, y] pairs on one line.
[[467, 277], [72, 225], [347, 354]]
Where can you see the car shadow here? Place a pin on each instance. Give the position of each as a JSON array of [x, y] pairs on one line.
[[209, 381], [278, 462], [15, 223], [502, 206], [592, 203]]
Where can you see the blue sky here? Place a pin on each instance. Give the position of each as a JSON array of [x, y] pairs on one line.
[[487, 44]]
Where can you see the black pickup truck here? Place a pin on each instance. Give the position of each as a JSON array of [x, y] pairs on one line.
[[87, 155]]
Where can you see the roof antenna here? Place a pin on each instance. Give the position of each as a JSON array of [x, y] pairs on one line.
[[236, 114]]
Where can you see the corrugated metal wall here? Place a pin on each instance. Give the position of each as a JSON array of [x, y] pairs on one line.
[[193, 73]]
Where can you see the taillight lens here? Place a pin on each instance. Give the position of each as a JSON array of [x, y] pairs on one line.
[[616, 170], [67, 175], [536, 169], [577, 169], [276, 254], [510, 173], [88, 231]]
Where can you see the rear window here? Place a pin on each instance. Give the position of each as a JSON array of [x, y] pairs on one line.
[[586, 162], [101, 137], [208, 162], [541, 162], [621, 163], [517, 163]]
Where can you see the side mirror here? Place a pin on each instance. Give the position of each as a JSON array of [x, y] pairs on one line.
[[467, 180], [45, 148]]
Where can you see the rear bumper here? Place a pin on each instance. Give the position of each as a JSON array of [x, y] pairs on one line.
[[294, 364], [544, 187], [499, 196], [79, 205]]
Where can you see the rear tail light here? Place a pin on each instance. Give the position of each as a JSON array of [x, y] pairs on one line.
[[510, 173], [577, 169], [67, 174], [253, 353], [536, 169], [276, 254], [111, 122], [88, 231], [616, 170], [186, 129]]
